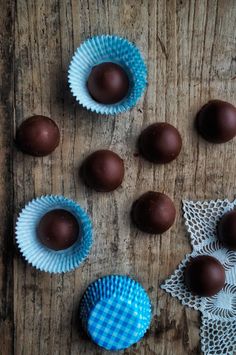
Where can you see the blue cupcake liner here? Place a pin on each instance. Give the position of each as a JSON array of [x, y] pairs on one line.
[[102, 49], [39, 255], [115, 311]]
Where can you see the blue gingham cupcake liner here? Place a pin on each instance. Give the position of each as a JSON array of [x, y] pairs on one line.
[[115, 312], [107, 48], [39, 255]]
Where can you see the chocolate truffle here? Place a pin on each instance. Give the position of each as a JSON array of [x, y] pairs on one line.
[[58, 229], [160, 143], [204, 276], [216, 121], [226, 230], [153, 212], [38, 136], [103, 170], [108, 83]]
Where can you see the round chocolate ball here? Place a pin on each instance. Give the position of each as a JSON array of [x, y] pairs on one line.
[[160, 143], [204, 276], [58, 229], [108, 83], [38, 136], [103, 171], [226, 230], [216, 121], [153, 212]]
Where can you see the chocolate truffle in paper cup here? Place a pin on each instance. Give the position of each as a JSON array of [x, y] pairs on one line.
[[115, 312], [107, 74], [54, 234]]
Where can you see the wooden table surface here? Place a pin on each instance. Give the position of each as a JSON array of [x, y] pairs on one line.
[[189, 47]]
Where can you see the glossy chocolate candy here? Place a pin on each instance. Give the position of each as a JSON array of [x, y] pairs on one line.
[[108, 83], [58, 229], [38, 136], [160, 143], [103, 171], [204, 276], [153, 212], [226, 230], [216, 121]]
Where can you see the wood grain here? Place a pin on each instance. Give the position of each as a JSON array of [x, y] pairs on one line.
[[189, 47], [6, 180]]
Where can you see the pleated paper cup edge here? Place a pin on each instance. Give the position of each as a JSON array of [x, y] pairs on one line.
[[145, 297], [38, 265], [109, 110]]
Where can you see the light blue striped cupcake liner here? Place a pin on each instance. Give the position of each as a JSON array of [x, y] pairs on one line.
[[107, 48], [115, 311], [38, 254]]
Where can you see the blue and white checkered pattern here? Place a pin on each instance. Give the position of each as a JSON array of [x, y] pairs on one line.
[[117, 314], [114, 324]]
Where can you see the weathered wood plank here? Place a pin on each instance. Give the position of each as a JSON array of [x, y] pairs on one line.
[[189, 47], [6, 185]]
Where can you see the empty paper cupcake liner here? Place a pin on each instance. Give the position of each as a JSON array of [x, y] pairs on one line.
[[102, 49], [115, 311], [39, 255]]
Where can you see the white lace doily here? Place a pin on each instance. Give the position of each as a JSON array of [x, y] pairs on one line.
[[218, 329]]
